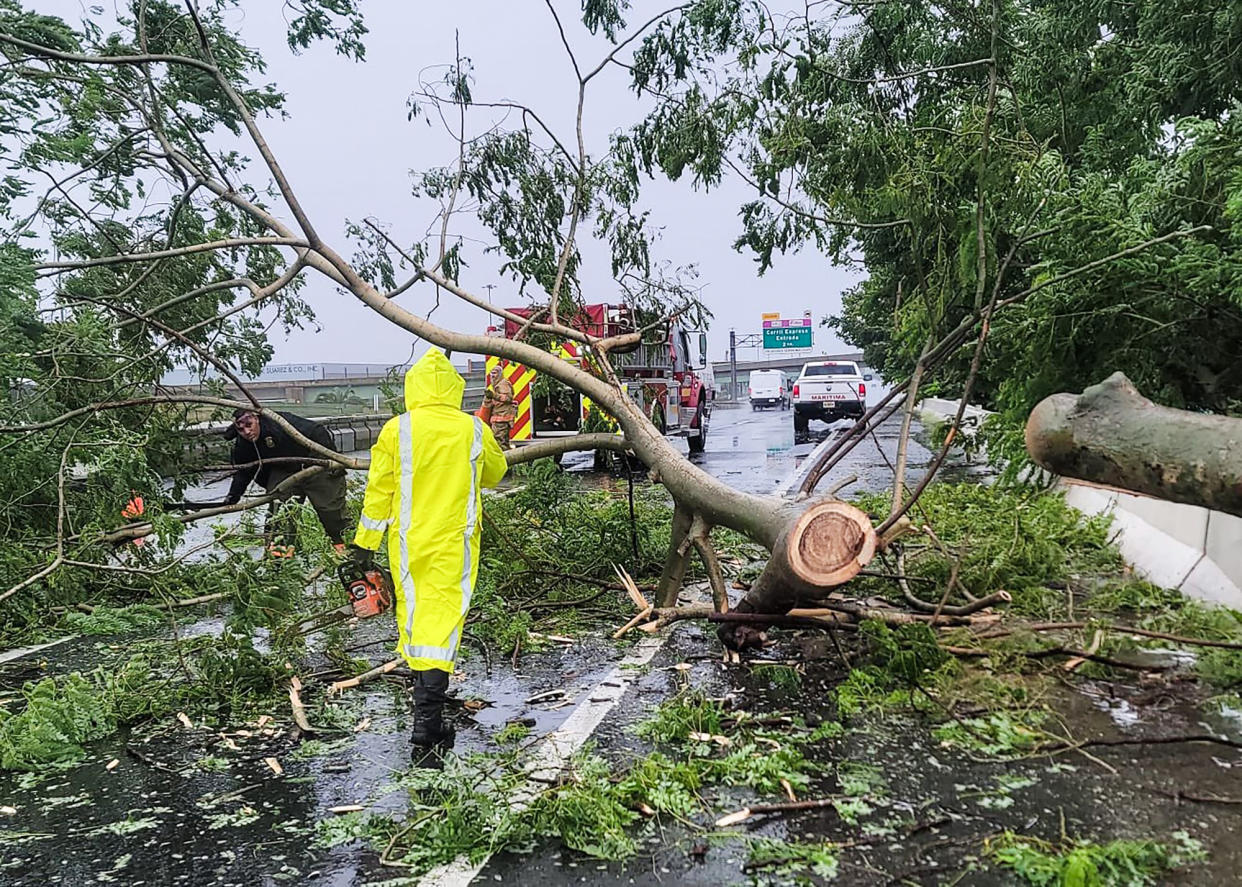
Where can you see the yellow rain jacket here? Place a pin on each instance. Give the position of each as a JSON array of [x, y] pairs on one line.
[[428, 469]]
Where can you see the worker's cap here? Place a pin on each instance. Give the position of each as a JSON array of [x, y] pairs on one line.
[[231, 431]]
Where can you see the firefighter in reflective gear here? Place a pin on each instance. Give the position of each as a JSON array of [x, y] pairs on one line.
[[428, 470], [499, 396]]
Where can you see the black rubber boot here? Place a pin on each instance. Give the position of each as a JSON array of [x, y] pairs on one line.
[[430, 694]]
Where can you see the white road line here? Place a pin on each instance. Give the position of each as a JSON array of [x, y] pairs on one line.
[[555, 750], [790, 486], [10, 655]]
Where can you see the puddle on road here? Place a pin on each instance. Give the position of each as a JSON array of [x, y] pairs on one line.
[[758, 452]]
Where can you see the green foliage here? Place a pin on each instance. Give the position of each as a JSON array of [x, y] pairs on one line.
[[684, 721], [675, 719], [784, 859], [906, 664], [858, 778], [556, 540], [338, 21], [60, 715], [1158, 609], [110, 329], [112, 620], [465, 809], [1114, 124], [1082, 864], [353, 826], [592, 814], [222, 676], [998, 734], [512, 734], [782, 677], [1013, 539], [907, 652], [867, 689]]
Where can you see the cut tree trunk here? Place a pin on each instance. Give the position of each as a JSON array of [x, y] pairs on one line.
[[817, 547], [1112, 435]]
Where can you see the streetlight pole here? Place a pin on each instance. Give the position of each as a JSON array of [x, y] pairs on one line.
[[733, 364]]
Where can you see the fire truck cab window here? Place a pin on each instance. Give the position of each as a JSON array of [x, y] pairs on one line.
[[681, 349]]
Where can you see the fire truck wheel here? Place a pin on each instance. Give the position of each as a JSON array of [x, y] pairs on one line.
[[697, 443]]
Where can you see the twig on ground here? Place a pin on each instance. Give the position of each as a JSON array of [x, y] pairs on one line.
[[340, 686], [299, 709], [784, 807]]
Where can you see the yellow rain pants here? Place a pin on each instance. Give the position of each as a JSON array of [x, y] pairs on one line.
[[428, 469]]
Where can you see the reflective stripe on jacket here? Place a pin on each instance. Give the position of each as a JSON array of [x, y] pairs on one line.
[[428, 470]]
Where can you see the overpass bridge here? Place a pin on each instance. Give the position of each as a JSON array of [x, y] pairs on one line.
[[326, 389], [729, 388]]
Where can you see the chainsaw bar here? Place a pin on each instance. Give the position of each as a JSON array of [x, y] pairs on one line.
[[322, 620]]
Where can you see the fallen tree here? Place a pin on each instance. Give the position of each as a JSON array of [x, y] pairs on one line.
[[111, 274], [1112, 435]]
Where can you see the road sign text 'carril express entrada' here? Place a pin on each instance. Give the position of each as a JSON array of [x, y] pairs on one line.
[[780, 334]]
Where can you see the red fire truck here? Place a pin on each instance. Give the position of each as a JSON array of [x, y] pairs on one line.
[[671, 382]]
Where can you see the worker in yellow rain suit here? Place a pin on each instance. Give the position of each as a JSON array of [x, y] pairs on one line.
[[428, 469]]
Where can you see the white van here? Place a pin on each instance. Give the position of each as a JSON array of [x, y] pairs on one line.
[[769, 388]]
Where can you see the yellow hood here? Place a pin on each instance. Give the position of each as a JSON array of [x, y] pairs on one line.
[[432, 380]]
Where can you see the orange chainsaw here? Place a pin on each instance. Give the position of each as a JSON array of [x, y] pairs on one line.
[[370, 593]]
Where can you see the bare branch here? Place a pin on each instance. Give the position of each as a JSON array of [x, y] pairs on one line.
[[564, 40], [192, 249], [1091, 266], [141, 59], [797, 210], [555, 446], [139, 530], [60, 532], [906, 75]]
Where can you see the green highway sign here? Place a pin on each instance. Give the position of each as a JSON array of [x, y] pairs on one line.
[[777, 337]]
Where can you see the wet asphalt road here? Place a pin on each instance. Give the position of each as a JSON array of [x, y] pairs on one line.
[[160, 816], [757, 451]]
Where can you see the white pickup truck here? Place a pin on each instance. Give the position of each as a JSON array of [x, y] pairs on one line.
[[828, 390]]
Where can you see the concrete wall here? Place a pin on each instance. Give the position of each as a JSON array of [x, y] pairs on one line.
[[1192, 549], [937, 409]]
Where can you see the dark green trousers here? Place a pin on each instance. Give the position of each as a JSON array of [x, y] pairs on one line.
[[326, 494]]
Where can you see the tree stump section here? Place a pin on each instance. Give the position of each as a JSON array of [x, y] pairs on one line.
[[829, 543], [822, 545]]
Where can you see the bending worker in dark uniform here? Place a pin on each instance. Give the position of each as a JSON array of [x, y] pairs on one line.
[[258, 442]]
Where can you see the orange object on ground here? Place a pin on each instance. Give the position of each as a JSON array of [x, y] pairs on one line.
[[133, 508], [369, 591]]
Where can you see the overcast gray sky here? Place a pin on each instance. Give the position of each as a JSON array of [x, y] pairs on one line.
[[348, 150]]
